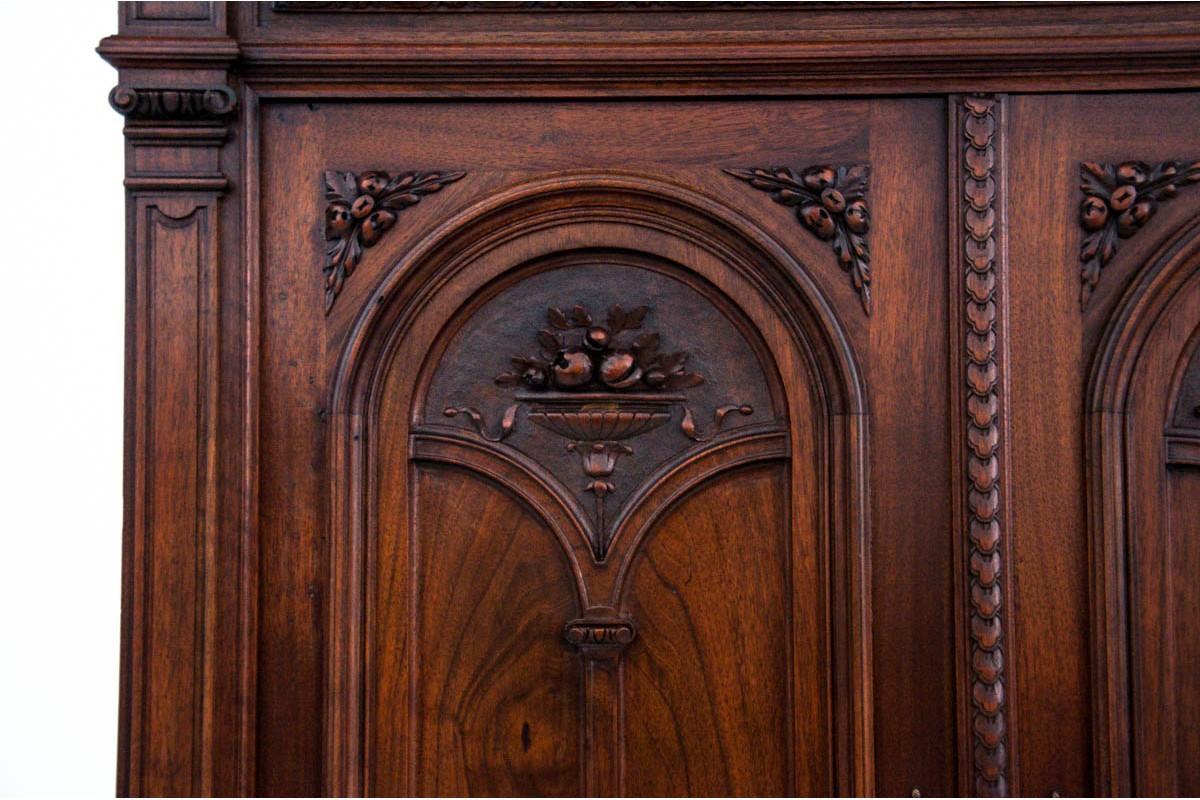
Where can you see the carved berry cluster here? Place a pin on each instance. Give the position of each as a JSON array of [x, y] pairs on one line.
[[363, 207], [832, 203], [578, 353], [1117, 203]]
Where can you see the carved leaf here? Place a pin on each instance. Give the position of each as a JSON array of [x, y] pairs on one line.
[[645, 349], [580, 317], [340, 186], [684, 380], [852, 180], [558, 319], [549, 343], [616, 319]]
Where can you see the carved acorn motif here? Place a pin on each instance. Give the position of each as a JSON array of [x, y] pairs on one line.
[[833, 200], [363, 205], [1093, 213], [372, 183], [819, 177], [374, 226], [818, 220], [338, 221], [858, 219]]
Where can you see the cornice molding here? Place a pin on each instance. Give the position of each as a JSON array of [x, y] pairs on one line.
[[726, 48]]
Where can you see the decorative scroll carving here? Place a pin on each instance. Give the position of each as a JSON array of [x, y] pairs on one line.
[[361, 209], [212, 102], [689, 421], [1117, 203], [832, 203], [597, 385], [983, 397], [507, 423]]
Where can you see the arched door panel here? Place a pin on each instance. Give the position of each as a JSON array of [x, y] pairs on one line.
[[1147, 424], [603, 489]]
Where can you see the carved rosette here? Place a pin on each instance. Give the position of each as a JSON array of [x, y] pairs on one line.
[[361, 209], [832, 203], [597, 384], [980, 195], [1118, 201]]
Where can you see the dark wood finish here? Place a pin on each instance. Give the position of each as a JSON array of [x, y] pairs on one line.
[[660, 399]]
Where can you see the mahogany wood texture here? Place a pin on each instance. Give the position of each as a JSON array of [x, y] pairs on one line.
[[660, 398]]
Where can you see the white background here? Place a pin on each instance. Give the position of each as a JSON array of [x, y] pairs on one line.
[[61, 365]]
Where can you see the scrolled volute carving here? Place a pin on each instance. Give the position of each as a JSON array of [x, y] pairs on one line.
[[831, 201], [361, 209], [161, 104], [601, 633], [1118, 200]]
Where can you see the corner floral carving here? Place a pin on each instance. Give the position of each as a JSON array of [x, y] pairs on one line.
[[983, 398], [361, 209], [832, 203], [598, 384], [1118, 201]]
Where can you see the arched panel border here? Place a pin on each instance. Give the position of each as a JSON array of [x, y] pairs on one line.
[[788, 290], [1108, 395]]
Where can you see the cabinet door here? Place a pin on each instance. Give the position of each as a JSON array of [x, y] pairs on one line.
[[1147, 529], [1164, 552], [595, 478]]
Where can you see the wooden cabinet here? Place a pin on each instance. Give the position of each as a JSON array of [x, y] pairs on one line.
[[660, 399]]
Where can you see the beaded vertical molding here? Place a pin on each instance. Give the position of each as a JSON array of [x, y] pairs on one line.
[[982, 248]]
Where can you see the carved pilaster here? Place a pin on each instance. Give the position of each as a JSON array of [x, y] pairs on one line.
[[184, 654], [979, 269]]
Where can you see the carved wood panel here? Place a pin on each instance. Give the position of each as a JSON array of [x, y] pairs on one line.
[[665, 398], [579, 466], [1146, 440]]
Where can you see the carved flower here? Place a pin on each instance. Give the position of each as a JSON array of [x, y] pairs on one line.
[[577, 353]]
